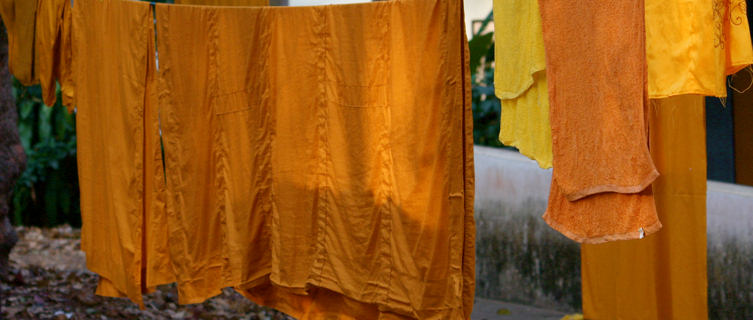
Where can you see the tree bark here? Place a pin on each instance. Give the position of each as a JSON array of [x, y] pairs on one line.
[[12, 156]]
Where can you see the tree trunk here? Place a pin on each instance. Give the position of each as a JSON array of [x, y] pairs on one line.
[[12, 156]]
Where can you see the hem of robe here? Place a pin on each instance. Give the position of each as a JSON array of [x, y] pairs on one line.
[[580, 194], [530, 155], [507, 95], [732, 69], [632, 235]]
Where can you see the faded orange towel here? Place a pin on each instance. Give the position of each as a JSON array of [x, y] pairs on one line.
[[664, 275], [47, 46], [244, 3], [112, 41], [596, 69], [329, 174], [18, 17]]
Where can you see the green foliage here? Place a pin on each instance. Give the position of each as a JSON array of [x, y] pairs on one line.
[[47, 192], [486, 106]]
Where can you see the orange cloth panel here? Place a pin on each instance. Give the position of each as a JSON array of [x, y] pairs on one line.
[[18, 17], [596, 71], [241, 3], [597, 89], [65, 76], [327, 174], [112, 41], [664, 275], [47, 46]]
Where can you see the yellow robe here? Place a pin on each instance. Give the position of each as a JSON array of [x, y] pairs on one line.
[[691, 46], [664, 275], [327, 174], [47, 46], [520, 79], [245, 3]]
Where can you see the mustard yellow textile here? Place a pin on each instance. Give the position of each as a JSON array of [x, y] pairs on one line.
[[664, 275], [65, 76], [692, 45], [245, 3], [47, 46], [327, 174], [18, 17], [520, 80], [112, 41]]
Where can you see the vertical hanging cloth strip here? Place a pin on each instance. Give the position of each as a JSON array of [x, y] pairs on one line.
[[18, 17], [596, 69], [245, 3], [664, 275], [520, 79], [112, 41], [691, 46], [326, 174], [47, 44]]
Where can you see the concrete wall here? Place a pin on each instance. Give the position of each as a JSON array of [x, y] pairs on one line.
[[521, 259]]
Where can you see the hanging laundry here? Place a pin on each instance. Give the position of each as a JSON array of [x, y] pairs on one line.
[[18, 18], [112, 42], [664, 275], [597, 80], [65, 76], [693, 45], [47, 44], [245, 3], [520, 79], [326, 174]]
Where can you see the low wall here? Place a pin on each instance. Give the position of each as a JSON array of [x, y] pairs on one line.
[[520, 259]]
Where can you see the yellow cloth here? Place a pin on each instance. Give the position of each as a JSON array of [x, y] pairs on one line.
[[112, 41], [692, 45], [47, 46], [664, 275], [18, 17], [65, 76], [245, 3], [336, 162], [520, 80]]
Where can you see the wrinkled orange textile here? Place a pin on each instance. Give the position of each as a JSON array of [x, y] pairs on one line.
[[65, 76], [18, 17], [664, 275], [47, 46], [596, 70], [691, 46], [112, 42], [327, 174], [245, 3]]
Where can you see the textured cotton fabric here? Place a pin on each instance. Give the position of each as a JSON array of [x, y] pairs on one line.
[[47, 44], [596, 69], [246, 3], [112, 42], [18, 17], [692, 45], [520, 79], [327, 174], [664, 275]]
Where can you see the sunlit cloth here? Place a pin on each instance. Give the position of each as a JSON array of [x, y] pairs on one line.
[[18, 18], [245, 3], [664, 275], [326, 174], [692, 45], [520, 79], [596, 72]]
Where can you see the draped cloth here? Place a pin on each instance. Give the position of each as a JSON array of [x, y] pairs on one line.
[[112, 45], [18, 18], [245, 3], [664, 275], [48, 45], [597, 90], [520, 79]]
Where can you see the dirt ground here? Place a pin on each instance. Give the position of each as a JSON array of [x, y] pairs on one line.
[[48, 280]]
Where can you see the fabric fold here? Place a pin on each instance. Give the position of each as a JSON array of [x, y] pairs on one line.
[[520, 81], [19, 18], [48, 46], [244, 3]]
